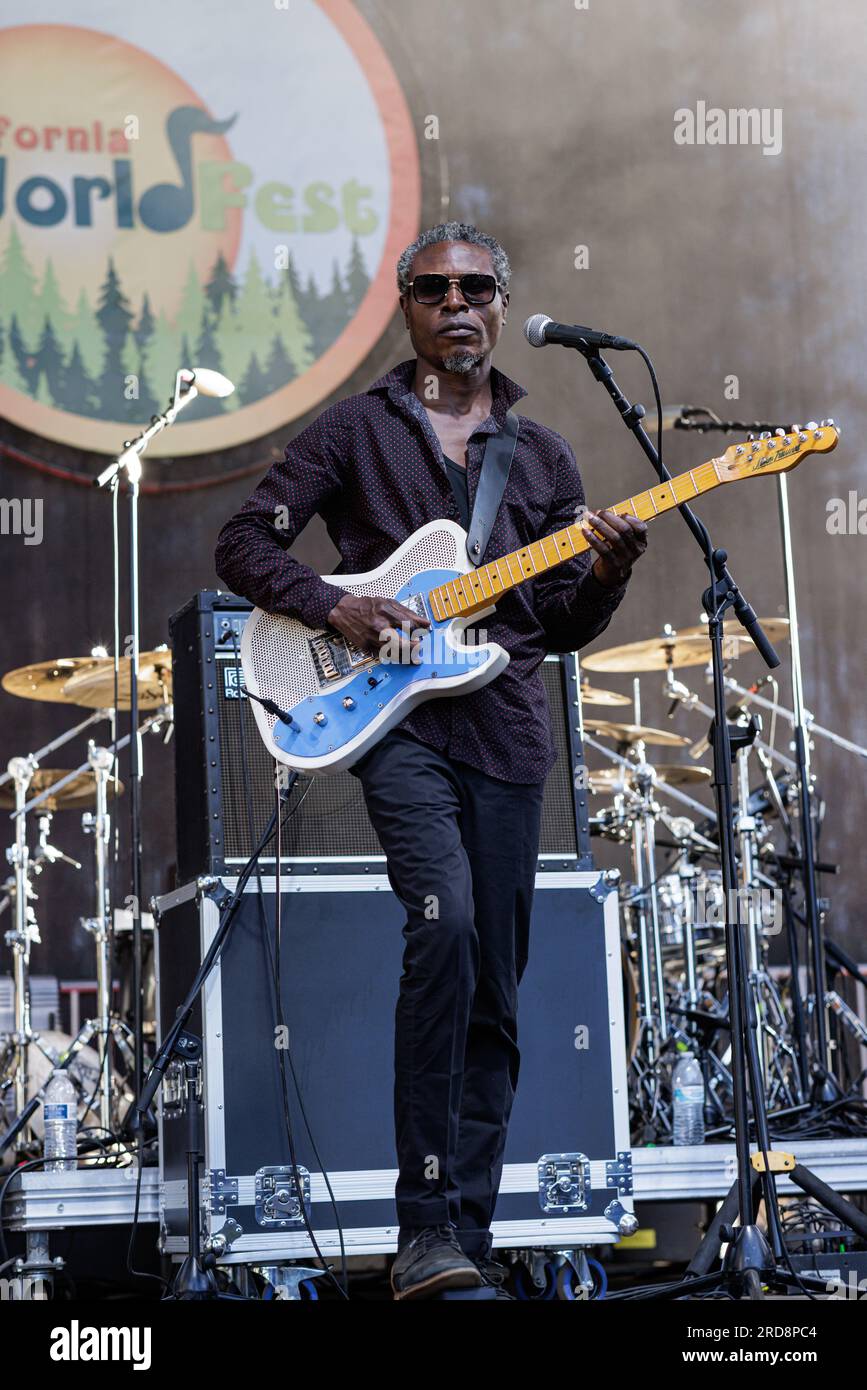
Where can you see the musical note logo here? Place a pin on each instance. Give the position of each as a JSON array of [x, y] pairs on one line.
[[167, 206]]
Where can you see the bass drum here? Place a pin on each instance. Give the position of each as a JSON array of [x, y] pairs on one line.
[[84, 1070]]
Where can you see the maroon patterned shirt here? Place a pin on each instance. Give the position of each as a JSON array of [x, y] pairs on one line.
[[372, 467]]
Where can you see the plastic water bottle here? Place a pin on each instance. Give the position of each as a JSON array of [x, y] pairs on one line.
[[687, 1085], [61, 1122]]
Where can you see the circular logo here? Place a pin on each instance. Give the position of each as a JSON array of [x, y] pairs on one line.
[[181, 187]]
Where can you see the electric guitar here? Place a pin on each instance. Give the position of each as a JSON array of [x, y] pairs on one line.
[[321, 703]]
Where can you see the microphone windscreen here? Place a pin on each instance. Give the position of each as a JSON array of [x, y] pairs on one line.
[[534, 329], [211, 383]]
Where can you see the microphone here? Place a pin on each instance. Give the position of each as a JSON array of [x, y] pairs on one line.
[[540, 330], [207, 382], [198, 381]]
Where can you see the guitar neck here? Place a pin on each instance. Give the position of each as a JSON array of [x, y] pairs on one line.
[[473, 592]]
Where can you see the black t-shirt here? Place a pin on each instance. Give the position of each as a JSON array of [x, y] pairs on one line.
[[458, 480]]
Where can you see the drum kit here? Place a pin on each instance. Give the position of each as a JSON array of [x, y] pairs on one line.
[[673, 905], [29, 789]]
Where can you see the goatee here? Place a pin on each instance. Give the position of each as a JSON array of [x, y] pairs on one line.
[[462, 361]]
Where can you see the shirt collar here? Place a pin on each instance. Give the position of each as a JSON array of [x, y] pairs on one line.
[[504, 391]]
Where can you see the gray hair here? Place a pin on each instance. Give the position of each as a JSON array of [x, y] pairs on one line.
[[454, 231]]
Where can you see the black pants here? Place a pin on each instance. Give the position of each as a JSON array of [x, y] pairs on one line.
[[461, 850]]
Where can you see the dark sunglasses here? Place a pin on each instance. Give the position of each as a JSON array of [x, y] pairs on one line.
[[475, 288]]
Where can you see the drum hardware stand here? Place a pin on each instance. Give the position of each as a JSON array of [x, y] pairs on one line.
[[129, 462], [42, 753], [825, 1088], [774, 708], [662, 786], [26, 931], [99, 824], [749, 1256], [676, 690]]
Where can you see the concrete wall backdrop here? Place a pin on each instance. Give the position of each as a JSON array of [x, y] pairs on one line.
[[556, 130]]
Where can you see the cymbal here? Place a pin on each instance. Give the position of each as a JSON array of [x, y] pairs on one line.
[[94, 687], [688, 648], [44, 680], [77, 795], [775, 629], [593, 695], [608, 779], [634, 733]]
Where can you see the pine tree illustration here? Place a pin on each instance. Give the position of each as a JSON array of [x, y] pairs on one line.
[[278, 369], [18, 294], [220, 284], [9, 373], [144, 330], [231, 347], [24, 361], [147, 403], [192, 307], [357, 278], [334, 313], [78, 391], [162, 358], [309, 303], [114, 317], [297, 340], [52, 306], [50, 364], [207, 355], [86, 333], [254, 386]]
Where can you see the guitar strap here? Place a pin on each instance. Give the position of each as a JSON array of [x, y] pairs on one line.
[[496, 462]]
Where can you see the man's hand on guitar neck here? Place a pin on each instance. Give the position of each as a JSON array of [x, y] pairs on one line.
[[369, 622], [618, 541]]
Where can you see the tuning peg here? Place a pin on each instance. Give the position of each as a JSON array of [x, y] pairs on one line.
[[827, 424], [765, 434], [780, 432], [811, 425], [750, 438]]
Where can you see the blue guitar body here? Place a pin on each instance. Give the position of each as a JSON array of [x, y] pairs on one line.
[[341, 701]]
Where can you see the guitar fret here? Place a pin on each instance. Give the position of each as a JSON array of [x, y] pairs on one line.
[[473, 591]]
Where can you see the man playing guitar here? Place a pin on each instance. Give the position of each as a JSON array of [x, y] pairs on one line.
[[455, 790]]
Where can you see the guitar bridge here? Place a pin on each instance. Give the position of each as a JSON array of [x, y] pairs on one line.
[[335, 657]]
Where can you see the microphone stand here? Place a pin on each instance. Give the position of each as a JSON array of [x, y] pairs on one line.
[[749, 1257], [826, 1089], [129, 461]]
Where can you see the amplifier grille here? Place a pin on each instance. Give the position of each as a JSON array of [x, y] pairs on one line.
[[329, 818]]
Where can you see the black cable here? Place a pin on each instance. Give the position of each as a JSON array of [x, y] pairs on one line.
[[275, 969], [342, 1284]]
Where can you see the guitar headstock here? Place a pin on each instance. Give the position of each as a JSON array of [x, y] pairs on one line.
[[776, 453]]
